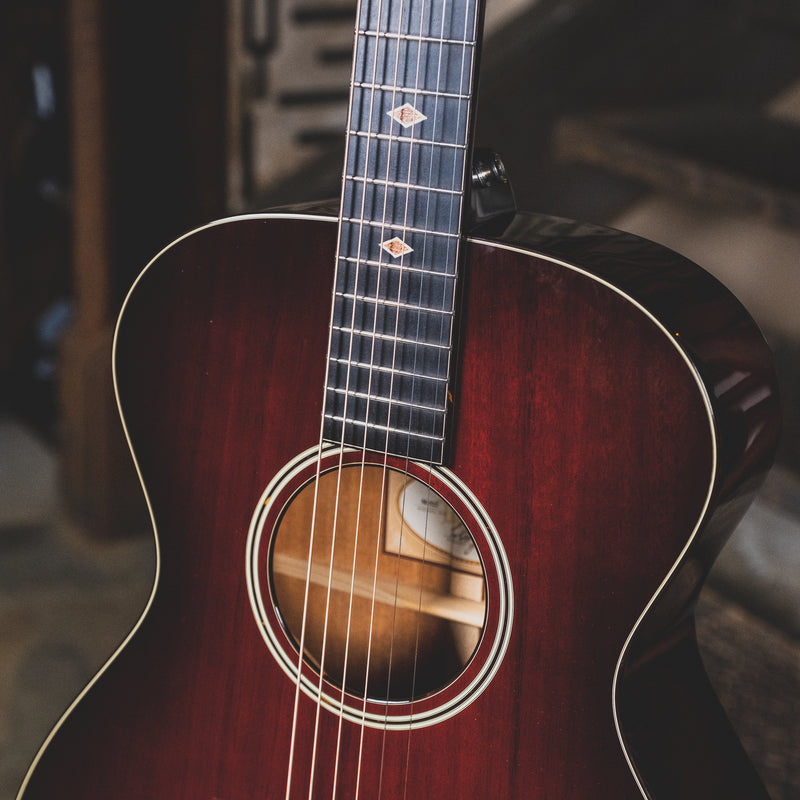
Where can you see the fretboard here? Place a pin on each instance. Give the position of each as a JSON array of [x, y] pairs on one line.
[[399, 233]]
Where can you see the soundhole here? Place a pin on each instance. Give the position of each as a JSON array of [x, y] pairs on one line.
[[395, 594]]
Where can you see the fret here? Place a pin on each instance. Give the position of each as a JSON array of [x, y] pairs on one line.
[[404, 90], [398, 185], [386, 428], [389, 370], [393, 303], [457, 18], [399, 267], [374, 398], [415, 38], [407, 139], [392, 417], [388, 337], [385, 226], [402, 423]]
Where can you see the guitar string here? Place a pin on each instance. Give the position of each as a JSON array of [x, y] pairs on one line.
[[435, 121], [460, 203], [433, 137], [361, 230], [394, 354], [363, 464], [421, 255], [301, 645], [385, 462], [363, 461], [384, 469], [305, 610], [455, 126], [338, 488], [301, 650]]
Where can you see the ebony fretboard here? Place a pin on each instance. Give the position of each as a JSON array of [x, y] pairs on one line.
[[392, 321]]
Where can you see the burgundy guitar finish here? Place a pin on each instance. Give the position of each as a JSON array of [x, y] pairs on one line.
[[614, 411]]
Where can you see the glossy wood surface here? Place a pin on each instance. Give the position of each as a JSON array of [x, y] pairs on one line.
[[581, 429]]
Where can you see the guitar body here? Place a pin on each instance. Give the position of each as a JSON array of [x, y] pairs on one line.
[[614, 410]]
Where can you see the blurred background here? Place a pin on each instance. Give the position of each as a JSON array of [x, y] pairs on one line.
[[123, 124]]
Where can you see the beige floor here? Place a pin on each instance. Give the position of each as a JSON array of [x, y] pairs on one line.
[[65, 600]]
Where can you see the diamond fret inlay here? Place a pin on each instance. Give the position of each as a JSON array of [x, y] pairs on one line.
[[396, 247], [406, 115]]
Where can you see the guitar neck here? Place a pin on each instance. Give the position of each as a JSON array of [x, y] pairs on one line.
[[408, 136]]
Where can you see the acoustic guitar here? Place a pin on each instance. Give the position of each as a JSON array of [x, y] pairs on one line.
[[433, 506]]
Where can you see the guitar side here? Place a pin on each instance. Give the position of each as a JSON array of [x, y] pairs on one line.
[[598, 419]]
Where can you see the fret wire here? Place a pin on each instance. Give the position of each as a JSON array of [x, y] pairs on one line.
[[390, 137], [420, 270], [393, 303], [385, 87], [408, 37], [388, 337], [389, 400], [398, 185], [404, 372], [389, 226], [378, 427]]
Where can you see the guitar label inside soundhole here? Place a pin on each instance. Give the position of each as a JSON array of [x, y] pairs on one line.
[[395, 588], [402, 598]]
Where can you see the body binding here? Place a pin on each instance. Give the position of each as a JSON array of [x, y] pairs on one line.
[[614, 411]]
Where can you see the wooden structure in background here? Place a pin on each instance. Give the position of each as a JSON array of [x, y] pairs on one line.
[[92, 446], [148, 161]]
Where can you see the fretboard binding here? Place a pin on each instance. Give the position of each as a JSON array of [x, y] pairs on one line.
[[388, 400], [398, 185], [388, 337], [386, 87], [380, 368], [389, 137], [393, 303], [404, 228], [387, 428], [403, 267], [418, 38]]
